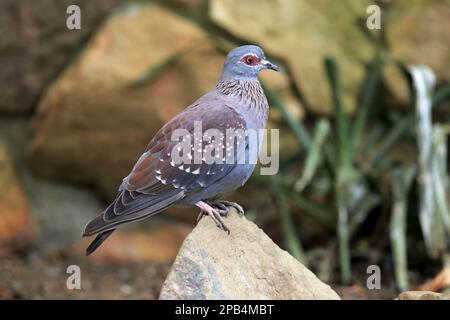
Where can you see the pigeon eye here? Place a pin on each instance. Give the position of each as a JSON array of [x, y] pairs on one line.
[[250, 60]]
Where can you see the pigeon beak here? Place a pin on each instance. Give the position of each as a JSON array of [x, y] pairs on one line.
[[269, 65]]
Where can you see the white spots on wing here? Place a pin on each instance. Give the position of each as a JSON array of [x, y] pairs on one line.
[[158, 171], [163, 181], [197, 171]]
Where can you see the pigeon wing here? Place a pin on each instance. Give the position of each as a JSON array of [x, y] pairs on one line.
[[156, 182]]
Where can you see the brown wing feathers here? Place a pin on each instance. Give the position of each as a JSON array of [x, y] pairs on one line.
[[155, 183]]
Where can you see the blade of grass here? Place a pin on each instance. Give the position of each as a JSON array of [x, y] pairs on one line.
[[440, 177], [401, 181], [322, 214], [342, 226], [344, 174], [297, 127], [429, 217], [368, 96], [314, 157], [401, 127], [441, 95], [341, 120], [391, 139], [359, 214], [291, 238], [375, 133]]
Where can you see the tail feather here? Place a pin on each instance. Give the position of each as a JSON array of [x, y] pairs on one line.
[[104, 227], [98, 241]]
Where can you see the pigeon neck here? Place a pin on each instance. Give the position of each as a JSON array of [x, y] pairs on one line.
[[248, 94], [228, 76]]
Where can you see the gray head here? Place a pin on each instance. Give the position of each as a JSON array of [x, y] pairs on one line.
[[246, 62]]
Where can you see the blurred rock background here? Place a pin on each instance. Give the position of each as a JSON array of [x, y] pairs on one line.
[[78, 107]]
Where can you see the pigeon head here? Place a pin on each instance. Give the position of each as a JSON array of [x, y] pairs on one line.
[[246, 62]]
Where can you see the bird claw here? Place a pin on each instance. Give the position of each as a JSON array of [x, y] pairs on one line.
[[221, 208], [215, 215], [224, 206]]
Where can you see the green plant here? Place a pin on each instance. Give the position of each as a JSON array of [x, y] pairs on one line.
[[356, 160]]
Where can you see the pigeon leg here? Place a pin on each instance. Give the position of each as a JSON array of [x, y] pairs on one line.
[[213, 213], [224, 206]]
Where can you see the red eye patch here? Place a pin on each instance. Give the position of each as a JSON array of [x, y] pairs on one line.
[[250, 60]]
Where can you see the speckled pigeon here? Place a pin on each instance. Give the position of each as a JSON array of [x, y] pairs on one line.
[[157, 183]]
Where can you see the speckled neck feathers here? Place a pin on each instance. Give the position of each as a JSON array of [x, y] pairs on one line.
[[249, 95]]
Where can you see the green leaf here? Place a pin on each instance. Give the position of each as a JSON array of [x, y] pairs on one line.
[[291, 237], [320, 213], [314, 157], [391, 139], [343, 232], [360, 210], [402, 126], [341, 120], [368, 96], [401, 182], [440, 177], [430, 218], [441, 95]]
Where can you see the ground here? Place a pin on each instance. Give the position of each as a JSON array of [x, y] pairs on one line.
[[45, 277]]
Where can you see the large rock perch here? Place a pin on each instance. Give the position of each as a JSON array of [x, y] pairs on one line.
[[246, 264]]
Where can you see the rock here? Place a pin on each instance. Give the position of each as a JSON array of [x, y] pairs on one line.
[[322, 28], [439, 283], [245, 264], [94, 136], [36, 44], [417, 33], [159, 244], [17, 227], [60, 210], [423, 295]]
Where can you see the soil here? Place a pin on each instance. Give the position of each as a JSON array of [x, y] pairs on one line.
[[35, 277], [45, 277]]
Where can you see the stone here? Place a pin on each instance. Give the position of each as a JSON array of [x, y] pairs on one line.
[[17, 226], [439, 283], [93, 137], [159, 244], [417, 33], [36, 44], [423, 295], [322, 28], [60, 210], [245, 264]]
